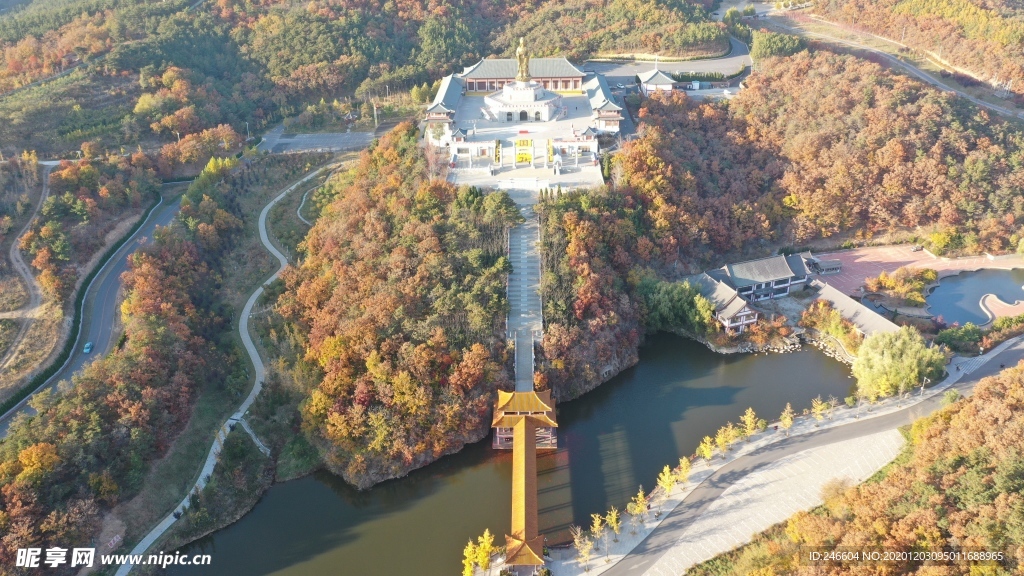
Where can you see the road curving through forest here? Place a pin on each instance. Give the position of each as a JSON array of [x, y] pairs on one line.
[[259, 371]]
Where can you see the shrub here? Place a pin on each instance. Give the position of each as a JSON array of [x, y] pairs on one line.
[[961, 338]]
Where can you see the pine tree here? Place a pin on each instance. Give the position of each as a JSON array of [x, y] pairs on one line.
[[599, 531], [818, 408], [683, 473], [484, 550], [666, 480], [750, 423], [706, 449]]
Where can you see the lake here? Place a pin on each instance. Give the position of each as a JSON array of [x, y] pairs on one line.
[[610, 441]]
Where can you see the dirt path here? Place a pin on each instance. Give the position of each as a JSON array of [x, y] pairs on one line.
[[913, 70], [29, 311]]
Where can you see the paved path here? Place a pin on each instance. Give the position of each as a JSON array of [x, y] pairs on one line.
[[862, 263], [524, 319], [237, 417], [670, 548], [275, 141], [298, 211], [774, 493]]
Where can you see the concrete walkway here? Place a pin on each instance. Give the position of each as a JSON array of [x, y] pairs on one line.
[[250, 348], [774, 493], [525, 321], [762, 482]]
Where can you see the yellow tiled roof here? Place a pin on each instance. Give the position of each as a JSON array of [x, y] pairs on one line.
[[524, 401]]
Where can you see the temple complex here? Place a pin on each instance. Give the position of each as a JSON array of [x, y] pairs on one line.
[[511, 112]]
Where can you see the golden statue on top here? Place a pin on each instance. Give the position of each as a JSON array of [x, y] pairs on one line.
[[524, 63]]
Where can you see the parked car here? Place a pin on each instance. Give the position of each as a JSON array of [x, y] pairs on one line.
[[88, 348], [620, 85], [917, 248]]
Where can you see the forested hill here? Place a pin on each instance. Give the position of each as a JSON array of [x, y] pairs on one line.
[[242, 61], [400, 301], [818, 147], [821, 145], [985, 37]]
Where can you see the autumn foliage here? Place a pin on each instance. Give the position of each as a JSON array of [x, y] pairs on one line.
[[819, 145], [985, 38], [402, 295], [85, 202], [91, 446]]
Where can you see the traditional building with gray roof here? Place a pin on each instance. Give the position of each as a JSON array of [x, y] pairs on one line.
[[767, 278], [864, 319], [731, 310], [491, 74], [442, 109], [653, 80], [607, 114]]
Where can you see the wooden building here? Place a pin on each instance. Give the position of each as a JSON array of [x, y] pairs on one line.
[[524, 422]]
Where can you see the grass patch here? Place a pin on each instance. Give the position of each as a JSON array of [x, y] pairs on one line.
[[238, 481], [173, 476], [12, 293], [285, 227], [8, 330], [31, 352]]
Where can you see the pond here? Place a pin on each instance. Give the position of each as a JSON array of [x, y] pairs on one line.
[[609, 442], [958, 298]]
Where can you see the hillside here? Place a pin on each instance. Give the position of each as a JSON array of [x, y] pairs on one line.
[[984, 37], [818, 147], [400, 304], [142, 74]]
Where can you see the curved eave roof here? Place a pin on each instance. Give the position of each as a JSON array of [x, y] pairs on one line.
[[524, 401], [655, 78]]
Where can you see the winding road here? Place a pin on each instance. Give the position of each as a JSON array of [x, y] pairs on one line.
[[662, 539], [99, 308], [260, 372]]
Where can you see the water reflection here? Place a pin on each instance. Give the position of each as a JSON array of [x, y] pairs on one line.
[[610, 441]]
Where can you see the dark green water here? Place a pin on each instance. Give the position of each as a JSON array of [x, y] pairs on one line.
[[610, 441]]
